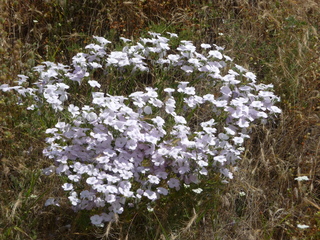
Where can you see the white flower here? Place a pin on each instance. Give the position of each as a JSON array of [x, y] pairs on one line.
[[302, 226], [302, 178], [32, 107], [125, 39], [172, 34], [150, 209], [242, 194], [101, 40], [198, 190], [74, 199]]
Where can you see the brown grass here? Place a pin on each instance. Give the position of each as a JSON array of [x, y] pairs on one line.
[[279, 40]]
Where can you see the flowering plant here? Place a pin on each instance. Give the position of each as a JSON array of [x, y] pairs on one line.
[[116, 150]]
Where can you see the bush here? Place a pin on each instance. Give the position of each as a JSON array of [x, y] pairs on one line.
[[117, 150]]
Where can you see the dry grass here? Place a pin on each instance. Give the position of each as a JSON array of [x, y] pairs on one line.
[[279, 40]]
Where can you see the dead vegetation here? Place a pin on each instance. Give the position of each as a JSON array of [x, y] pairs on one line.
[[279, 40]]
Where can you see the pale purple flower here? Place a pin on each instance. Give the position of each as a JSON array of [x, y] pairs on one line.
[[74, 178], [120, 142], [67, 186], [162, 175], [125, 39], [227, 58], [222, 159], [92, 180], [5, 87], [150, 194], [22, 79], [226, 173], [74, 110], [51, 201], [209, 97], [174, 183], [162, 191], [147, 110], [93, 46], [96, 220], [49, 170], [225, 90], [94, 83], [111, 188], [110, 198], [180, 120], [215, 54], [153, 179], [124, 188], [169, 90], [195, 62], [131, 144], [275, 109], [87, 195], [241, 69], [170, 105], [102, 40], [251, 76], [189, 91], [257, 104], [205, 46], [238, 140], [209, 68], [243, 123], [187, 69], [193, 101], [223, 136], [156, 102], [158, 120], [174, 57], [74, 199]]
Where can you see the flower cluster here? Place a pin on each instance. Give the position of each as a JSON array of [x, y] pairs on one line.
[[120, 149]]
